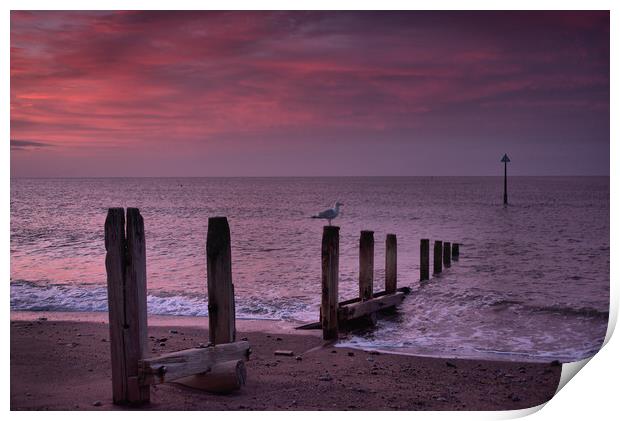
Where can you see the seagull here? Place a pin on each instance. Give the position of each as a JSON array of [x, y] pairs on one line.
[[329, 214]]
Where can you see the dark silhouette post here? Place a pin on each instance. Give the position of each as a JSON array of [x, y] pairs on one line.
[[424, 259], [330, 247], [390, 264], [220, 288], [446, 253], [455, 251], [505, 160], [438, 248], [367, 264]]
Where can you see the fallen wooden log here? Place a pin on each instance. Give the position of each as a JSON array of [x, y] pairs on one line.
[[223, 377], [363, 308], [176, 365]]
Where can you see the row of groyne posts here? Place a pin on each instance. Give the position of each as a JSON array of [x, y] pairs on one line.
[[219, 366], [336, 316], [216, 367]]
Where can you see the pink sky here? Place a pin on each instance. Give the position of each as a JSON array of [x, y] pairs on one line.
[[308, 93]]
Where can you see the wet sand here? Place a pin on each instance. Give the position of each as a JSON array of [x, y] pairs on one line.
[[63, 363]]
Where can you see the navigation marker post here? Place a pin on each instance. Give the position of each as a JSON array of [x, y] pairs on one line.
[[505, 160]]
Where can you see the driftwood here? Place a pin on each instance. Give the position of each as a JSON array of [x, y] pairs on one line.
[[223, 377], [176, 365]]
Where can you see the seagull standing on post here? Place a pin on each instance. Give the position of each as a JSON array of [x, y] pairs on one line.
[[329, 214]]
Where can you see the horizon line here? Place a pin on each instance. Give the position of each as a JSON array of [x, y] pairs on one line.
[[307, 176]]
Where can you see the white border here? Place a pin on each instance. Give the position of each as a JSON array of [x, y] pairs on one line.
[[591, 395]]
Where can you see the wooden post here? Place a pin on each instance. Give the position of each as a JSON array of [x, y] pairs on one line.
[[219, 282], [330, 247], [126, 279], [424, 259], [367, 264], [455, 251], [437, 257], [390, 264], [446, 254]]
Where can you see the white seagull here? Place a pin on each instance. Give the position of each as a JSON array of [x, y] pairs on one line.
[[329, 214]]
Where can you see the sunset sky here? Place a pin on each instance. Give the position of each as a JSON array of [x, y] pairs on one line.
[[309, 93]]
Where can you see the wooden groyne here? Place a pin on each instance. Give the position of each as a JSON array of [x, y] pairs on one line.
[[217, 367], [335, 315], [338, 316]]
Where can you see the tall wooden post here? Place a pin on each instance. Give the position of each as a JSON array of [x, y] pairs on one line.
[[330, 247], [437, 257], [446, 254], [455, 251], [367, 265], [390, 263], [424, 259], [219, 282], [126, 279]]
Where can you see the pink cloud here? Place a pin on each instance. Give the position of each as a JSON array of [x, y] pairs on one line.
[[92, 80]]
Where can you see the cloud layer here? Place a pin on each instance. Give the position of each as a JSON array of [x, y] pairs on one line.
[[272, 93]]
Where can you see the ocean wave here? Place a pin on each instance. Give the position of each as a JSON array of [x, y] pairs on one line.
[[573, 311], [31, 296]]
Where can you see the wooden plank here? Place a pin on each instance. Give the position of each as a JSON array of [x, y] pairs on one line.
[[219, 282], [223, 377], [437, 257], [355, 310], [404, 290], [176, 365], [135, 329], [424, 259], [367, 257], [390, 263], [446, 254], [115, 267], [330, 248], [310, 326]]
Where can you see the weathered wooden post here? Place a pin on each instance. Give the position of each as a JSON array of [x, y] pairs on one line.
[[446, 254], [126, 278], [219, 282], [367, 264], [390, 264], [330, 247], [424, 259], [437, 257], [455, 251]]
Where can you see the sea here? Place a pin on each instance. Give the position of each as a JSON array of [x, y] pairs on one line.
[[531, 283]]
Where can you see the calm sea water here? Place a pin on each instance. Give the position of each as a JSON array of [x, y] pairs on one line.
[[532, 282]]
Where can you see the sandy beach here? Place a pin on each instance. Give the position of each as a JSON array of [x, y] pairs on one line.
[[61, 361]]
